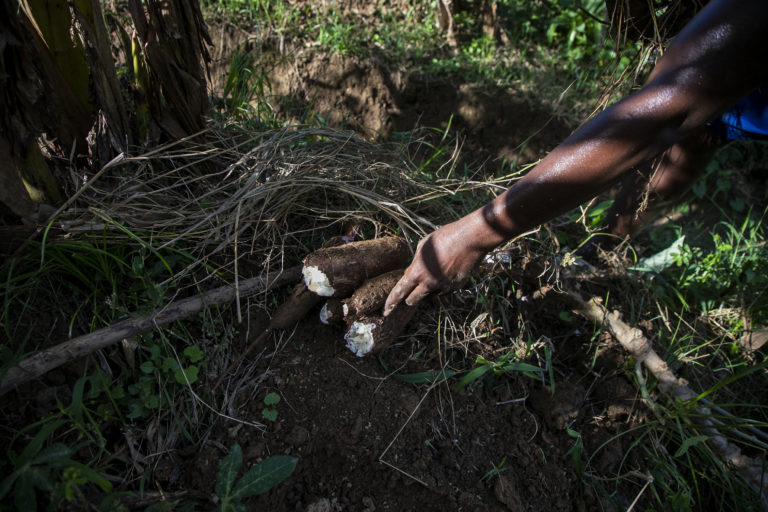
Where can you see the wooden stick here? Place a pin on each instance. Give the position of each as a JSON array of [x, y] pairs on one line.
[[641, 349], [46, 360]]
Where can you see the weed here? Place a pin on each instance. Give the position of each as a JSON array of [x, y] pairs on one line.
[[731, 274], [576, 451], [495, 471], [260, 478], [269, 413], [49, 469], [503, 365], [247, 91]]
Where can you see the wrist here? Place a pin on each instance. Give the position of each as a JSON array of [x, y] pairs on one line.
[[482, 231]]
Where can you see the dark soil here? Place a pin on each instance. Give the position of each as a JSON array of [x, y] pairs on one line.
[[367, 441]]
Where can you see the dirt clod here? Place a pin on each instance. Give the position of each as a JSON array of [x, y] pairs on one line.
[[505, 491], [560, 409]]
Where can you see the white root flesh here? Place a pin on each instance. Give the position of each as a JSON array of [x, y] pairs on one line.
[[317, 281], [360, 338]]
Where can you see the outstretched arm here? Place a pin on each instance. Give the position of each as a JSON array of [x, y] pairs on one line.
[[718, 58]]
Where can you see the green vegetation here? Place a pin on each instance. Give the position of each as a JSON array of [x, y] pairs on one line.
[[260, 478], [696, 283]]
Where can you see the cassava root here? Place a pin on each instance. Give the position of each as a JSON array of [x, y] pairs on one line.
[[338, 271], [373, 334], [371, 295]]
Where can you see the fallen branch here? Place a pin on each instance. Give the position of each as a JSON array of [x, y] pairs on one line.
[[641, 349], [46, 360]]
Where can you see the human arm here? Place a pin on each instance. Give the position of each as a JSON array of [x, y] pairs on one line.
[[714, 61]]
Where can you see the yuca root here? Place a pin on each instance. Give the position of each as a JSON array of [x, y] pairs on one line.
[[338, 271], [287, 314], [294, 308], [332, 312], [640, 347], [374, 334], [371, 295]]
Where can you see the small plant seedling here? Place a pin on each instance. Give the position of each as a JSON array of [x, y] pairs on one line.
[[40, 468], [496, 471], [260, 478], [576, 451], [505, 364], [269, 413]]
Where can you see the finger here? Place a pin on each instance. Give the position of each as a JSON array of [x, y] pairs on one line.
[[401, 290], [418, 294]]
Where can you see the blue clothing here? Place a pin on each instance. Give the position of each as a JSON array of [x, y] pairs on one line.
[[747, 120]]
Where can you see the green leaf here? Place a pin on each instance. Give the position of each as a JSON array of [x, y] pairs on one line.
[[152, 402], [170, 364], [194, 354], [520, 367], [265, 475], [7, 482], [147, 367], [565, 316], [37, 442], [56, 451], [92, 476], [737, 204], [24, 494], [40, 477], [736, 376], [472, 376], [425, 377], [191, 373], [77, 399], [688, 443], [662, 259], [271, 399], [269, 414], [228, 468]]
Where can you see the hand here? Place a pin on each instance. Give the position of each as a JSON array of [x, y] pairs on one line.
[[443, 261]]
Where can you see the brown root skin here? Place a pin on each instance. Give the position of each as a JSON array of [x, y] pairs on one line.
[[348, 266], [383, 332], [332, 312], [294, 308], [372, 294]]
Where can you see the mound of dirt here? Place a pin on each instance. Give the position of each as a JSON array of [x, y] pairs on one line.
[[372, 98]]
